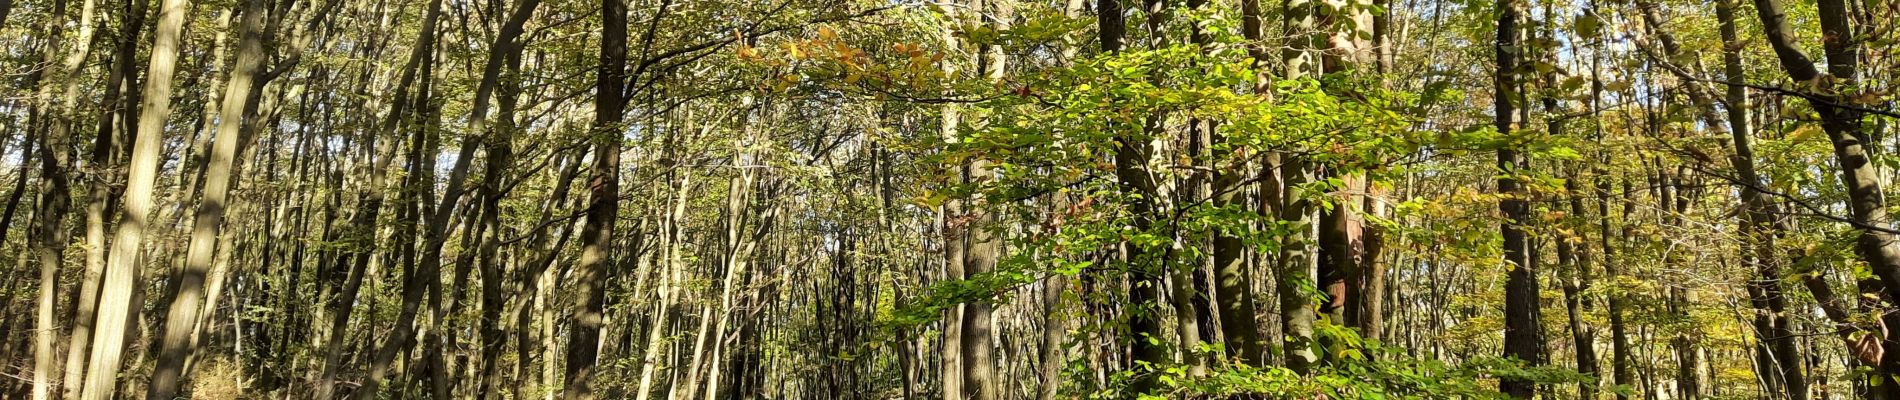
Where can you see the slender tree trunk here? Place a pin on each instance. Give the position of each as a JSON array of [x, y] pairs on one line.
[[667, 287], [504, 58], [1341, 233], [1619, 339], [1370, 280], [1758, 224], [1233, 280], [377, 155], [978, 347], [737, 271], [55, 196], [1131, 175], [23, 173], [49, 248], [1843, 125], [1372, 269], [603, 205], [186, 300], [414, 282], [18, 272], [1577, 281], [532, 279], [1053, 351], [120, 91], [955, 237], [1521, 336], [1574, 261], [122, 271], [1299, 258]]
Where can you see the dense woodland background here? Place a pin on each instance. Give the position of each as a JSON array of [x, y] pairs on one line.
[[952, 199]]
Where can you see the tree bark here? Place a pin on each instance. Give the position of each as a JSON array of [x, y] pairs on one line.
[[603, 204], [504, 58], [122, 271], [1145, 282], [1233, 280], [1054, 350], [1521, 335], [1575, 266], [121, 90], [55, 196], [1299, 258], [1842, 123], [180, 323], [978, 345], [1758, 225], [953, 230], [419, 66]]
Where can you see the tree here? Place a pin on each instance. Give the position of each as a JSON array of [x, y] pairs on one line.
[[1522, 339], [504, 58], [182, 322], [117, 285], [603, 202], [55, 195], [1842, 123]]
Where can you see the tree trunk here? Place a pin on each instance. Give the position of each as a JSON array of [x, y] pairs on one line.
[[1370, 281], [1054, 351], [1521, 336], [120, 91], [180, 323], [55, 196], [1575, 266], [122, 271], [984, 247], [603, 204], [1758, 225], [1865, 196], [1233, 280], [377, 154], [1299, 259], [955, 241], [504, 58], [1145, 283], [419, 66]]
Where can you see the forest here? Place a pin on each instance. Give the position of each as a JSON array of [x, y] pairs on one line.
[[949, 199]]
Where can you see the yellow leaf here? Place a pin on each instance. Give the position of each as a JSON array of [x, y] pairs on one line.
[[793, 50], [1804, 133]]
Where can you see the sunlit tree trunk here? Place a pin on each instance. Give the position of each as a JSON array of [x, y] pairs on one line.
[[1053, 350], [954, 239], [1299, 256], [1131, 175], [188, 294], [99, 203], [50, 231], [122, 270], [1759, 225], [984, 245], [377, 154]]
